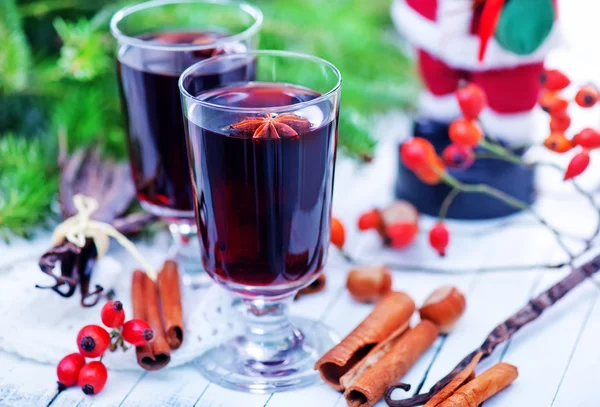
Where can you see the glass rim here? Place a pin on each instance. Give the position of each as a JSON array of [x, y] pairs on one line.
[[129, 10], [267, 109]]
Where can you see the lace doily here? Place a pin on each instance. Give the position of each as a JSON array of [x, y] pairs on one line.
[[42, 326]]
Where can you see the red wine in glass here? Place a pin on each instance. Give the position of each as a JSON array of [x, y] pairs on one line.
[[151, 100], [263, 199]]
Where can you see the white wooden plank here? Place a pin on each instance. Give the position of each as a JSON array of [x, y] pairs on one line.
[[118, 385], [579, 384], [25, 383], [167, 388], [216, 396], [578, 359]]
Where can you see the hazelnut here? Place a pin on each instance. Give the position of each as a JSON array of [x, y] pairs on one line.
[[444, 307], [369, 283]]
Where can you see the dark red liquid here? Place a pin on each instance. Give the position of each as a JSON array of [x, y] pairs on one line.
[[263, 205], [152, 106]]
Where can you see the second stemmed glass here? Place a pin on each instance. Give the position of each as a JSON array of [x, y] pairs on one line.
[[158, 40], [262, 154]]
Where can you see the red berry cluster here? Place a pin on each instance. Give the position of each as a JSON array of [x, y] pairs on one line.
[[552, 102], [466, 133], [93, 341]]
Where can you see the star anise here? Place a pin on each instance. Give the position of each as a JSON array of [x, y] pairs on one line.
[[269, 126]]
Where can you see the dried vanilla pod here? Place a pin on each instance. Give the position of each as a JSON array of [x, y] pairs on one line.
[[108, 183], [503, 332]]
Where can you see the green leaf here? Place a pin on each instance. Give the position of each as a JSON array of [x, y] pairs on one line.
[[524, 25]]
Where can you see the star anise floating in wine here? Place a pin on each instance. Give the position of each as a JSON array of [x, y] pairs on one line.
[[270, 126]]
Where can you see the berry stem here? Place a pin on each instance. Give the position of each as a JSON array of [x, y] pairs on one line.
[[509, 200], [501, 152], [447, 202]]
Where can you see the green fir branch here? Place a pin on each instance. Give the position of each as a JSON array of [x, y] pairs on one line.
[[28, 185]]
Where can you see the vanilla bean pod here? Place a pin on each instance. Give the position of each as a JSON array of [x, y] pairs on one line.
[[505, 331], [109, 183]]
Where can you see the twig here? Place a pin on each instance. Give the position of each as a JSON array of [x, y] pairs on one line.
[[506, 330], [447, 202], [509, 200]]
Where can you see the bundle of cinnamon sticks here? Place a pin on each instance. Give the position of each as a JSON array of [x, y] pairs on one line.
[[384, 347], [159, 303]]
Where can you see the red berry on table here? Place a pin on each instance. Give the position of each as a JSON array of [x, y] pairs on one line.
[[558, 143], [472, 100], [137, 332], [554, 80], [456, 156], [578, 164], [92, 378], [68, 369], [587, 138], [552, 103], [338, 234], [465, 132], [560, 121], [439, 237], [112, 314], [92, 341], [370, 220], [587, 96], [402, 234]]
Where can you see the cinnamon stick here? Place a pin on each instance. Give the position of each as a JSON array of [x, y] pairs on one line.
[[170, 299], [482, 387], [456, 383], [503, 332], [389, 314], [144, 293], [394, 364]]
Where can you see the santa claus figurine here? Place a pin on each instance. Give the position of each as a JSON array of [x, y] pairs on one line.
[[499, 45]]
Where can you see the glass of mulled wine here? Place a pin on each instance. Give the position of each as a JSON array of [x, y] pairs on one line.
[[158, 40], [262, 155]]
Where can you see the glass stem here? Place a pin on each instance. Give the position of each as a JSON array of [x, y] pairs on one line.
[[269, 333]]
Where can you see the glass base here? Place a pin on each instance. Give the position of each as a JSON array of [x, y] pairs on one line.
[[265, 367]]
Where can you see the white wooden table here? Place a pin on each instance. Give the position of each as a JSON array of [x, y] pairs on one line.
[[558, 356]]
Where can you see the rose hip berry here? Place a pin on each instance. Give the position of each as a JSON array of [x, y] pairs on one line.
[[92, 341], [137, 332], [68, 369], [465, 132], [552, 103], [439, 237], [460, 157], [112, 314], [370, 220], [554, 80], [587, 138], [578, 164], [560, 121], [92, 378], [472, 100], [402, 234], [558, 143], [417, 153], [338, 235], [587, 96]]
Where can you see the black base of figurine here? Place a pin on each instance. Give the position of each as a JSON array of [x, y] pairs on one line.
[[516, 181]]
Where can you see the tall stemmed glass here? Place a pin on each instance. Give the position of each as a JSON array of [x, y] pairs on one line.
[[158, 40], [262, 154]]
